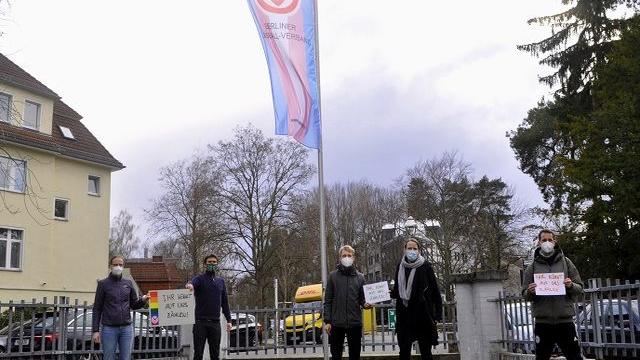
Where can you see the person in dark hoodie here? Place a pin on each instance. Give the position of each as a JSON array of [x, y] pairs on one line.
[[210, 293], [115, 298], [343, 303], [418, 302], [553, 315]]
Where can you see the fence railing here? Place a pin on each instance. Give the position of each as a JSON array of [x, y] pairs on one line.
[[60, 330], [607, 320], [299, 329]]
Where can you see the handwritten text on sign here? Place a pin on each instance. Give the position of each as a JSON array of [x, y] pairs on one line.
[[550, 284], [376, 293], [174, 307]]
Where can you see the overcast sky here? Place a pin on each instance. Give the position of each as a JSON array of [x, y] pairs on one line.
[[401, 81]]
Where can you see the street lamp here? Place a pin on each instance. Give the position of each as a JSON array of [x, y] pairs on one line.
[[410, 225]]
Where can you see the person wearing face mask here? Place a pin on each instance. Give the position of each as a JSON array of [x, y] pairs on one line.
[[115, 298], [418, 302], [343, 303], [210, 293], [553, 315]]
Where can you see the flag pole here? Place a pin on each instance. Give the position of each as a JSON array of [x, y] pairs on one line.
[[323, 234]]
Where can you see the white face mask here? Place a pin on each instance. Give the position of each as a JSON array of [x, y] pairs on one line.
[[116, 270], [547, 247], [346, 261], [412, 255]]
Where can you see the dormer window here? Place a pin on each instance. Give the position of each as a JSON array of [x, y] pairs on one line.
[[5, 107], [31, 118]]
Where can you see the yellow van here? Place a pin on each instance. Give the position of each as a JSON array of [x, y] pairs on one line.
[[305, 323]]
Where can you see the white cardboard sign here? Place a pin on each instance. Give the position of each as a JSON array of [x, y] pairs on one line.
[[549, 284], [172, 307], [376, 292]]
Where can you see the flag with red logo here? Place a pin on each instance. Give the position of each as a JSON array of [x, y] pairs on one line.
[[287, 29]]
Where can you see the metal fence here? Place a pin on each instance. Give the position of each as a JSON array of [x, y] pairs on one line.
[[298, 330], [607, 321], [60, 330]]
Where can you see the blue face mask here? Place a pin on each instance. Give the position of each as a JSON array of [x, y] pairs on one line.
[[412, 255]]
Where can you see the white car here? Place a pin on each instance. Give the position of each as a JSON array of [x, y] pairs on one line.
[[519, 326], [245, 330]]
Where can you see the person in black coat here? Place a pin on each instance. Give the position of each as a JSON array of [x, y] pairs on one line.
[[418, 302]]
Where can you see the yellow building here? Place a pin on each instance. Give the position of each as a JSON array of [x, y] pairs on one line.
[[55, 180]]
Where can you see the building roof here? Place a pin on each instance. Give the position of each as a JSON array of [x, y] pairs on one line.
[[156, 270], [13, 74], [84, 146]]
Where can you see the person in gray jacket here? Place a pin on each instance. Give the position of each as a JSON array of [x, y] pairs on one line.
[[553, 315], [343, 302]]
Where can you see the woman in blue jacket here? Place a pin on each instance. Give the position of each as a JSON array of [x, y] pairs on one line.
[[115, 298]]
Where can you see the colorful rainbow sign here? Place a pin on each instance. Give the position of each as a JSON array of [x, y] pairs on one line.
[[154, 310], [171, 307]]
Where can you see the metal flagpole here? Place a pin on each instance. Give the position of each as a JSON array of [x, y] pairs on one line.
[[323, 235]]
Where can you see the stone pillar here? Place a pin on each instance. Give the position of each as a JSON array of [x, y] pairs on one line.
[[478, 318], [186, 340], [224, 336]]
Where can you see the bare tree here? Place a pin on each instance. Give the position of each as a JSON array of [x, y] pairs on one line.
[[259, 177], [473, 225], [170, 249], [123, 239], [447, 199], [189, 210]]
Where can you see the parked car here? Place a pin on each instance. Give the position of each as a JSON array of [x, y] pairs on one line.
[[47, 331], [304, 324], [617, 318], [78, 334], [41, 334], [519, 325], [4, 333], [245, 331]]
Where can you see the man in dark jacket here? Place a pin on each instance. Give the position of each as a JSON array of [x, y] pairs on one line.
[[211, 296], [553, 314], [343, 302]]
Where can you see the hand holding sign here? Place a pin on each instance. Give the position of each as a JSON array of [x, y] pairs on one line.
[[548, 284]]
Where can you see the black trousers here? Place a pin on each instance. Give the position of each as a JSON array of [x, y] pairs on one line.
[[354, 339], [563, 334], [405, 341], [206, 331]]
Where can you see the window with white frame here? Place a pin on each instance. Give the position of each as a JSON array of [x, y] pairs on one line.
[[12, 174], [31, 118], [5, 107], [94, 185], [10, 249], [61, 209]]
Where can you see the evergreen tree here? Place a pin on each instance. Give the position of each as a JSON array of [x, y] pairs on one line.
[[581, 147]]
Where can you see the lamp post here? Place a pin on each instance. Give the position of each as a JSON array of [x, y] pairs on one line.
[[410, 226]]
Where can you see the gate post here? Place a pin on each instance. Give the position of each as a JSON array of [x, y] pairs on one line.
[[478, 315]]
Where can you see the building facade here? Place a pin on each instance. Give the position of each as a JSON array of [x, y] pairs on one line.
[[55, 180]]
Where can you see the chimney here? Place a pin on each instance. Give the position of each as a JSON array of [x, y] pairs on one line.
[[146, 252], [157, 258]]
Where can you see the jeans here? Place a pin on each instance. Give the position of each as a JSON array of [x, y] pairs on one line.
[[354, 338], [206, 331], [120, 337]]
